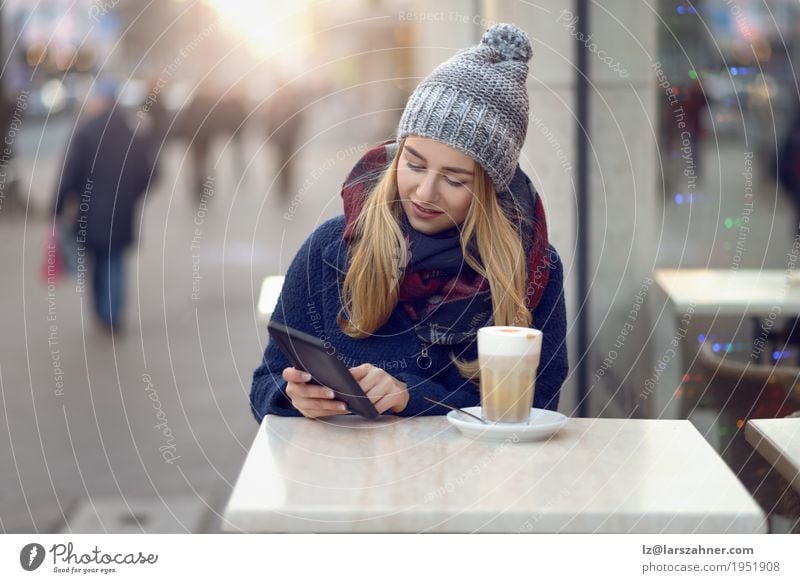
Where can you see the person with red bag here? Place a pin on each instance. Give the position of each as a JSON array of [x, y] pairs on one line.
[[106, 171]]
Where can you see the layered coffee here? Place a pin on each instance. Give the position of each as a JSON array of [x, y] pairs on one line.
[[508, 357]]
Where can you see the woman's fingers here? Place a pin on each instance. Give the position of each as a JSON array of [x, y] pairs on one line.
[[308, 391], [383, 390], [310, 399], [384, 403], [319, 407], [384, 395], [391, 396], [323, 403], [368, 377], [295, 376], [359, 372]]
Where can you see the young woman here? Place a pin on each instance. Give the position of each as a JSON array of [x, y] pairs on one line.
[[442, 234]]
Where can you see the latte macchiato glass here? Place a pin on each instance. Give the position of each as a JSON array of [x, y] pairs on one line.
[[508, 357]]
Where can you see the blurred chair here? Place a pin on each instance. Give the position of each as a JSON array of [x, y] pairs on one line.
[[268, 296], [787, 336], [751, 390], [739, 391]]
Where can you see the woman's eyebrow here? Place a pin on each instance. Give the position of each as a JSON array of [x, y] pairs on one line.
[[448, 168]]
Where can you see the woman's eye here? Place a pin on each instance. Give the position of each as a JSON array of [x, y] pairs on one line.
[[453, 182], [413, 167]]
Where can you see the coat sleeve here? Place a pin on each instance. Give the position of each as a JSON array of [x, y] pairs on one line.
[[297, 305], [549, 316]]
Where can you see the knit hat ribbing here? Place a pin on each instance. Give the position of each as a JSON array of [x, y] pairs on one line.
[[477, 102]]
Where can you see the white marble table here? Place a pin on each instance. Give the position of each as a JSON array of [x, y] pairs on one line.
[[681, 295], [422, 475], [725, 292], [778, 440]]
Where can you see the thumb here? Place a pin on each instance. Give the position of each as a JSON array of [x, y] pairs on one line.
[[360, 371]]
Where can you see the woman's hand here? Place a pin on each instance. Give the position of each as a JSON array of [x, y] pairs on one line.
[[311, 400], [385, 391]]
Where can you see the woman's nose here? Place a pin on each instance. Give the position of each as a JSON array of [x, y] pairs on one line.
[[426, 191]]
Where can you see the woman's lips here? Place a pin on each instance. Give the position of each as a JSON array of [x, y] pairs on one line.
[[421, 213]]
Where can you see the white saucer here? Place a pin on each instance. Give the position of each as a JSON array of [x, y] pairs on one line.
[[543, 423]]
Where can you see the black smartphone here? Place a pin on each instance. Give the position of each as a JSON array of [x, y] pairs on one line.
[[308, 353]]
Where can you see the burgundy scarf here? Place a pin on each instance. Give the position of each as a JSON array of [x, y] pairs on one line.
[[445, 298]]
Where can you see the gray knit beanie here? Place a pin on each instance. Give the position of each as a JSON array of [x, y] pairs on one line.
[[476, 102]]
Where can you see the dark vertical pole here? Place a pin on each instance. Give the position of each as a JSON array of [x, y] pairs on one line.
[[582, 252], [4, 119]]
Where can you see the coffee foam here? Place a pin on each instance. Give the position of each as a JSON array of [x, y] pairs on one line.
[[509, 341]]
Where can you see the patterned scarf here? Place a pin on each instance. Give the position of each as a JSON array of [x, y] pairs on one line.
[[445, 298]]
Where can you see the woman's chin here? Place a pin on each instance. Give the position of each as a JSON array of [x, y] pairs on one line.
[[428, 227]]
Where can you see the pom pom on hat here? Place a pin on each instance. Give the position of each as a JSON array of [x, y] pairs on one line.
[[510, 41]]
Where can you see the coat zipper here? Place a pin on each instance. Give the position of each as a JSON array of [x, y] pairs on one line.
[[424, 361]]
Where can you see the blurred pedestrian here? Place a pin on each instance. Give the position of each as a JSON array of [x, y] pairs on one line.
[[106, 170], [230, 117], [284, 117], [213, 114], [199, 127], [156, 117]]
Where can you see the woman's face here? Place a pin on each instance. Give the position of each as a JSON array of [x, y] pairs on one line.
[[436, 184]]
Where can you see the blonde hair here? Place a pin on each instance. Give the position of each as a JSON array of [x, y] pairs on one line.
[[378, 256]]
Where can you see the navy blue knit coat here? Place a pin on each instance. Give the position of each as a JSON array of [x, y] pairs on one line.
[[310, 302]]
